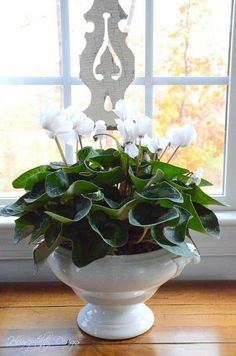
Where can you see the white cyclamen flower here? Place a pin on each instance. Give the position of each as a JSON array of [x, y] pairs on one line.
[[182, 136], [128, 131], [56, 123], [84, 126], [145, 140], [121, 109], [73, 115], [157, 145], [131, 149], [144, 126], [100, 127], [195, 177]]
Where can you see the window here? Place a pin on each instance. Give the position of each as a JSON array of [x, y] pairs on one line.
[[182, 70]]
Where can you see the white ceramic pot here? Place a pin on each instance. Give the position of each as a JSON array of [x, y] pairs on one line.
[[116, 288]]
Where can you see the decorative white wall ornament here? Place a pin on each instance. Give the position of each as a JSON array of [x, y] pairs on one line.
[[107, 63]]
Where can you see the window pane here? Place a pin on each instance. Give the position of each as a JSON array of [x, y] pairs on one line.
[[29, 38], [135, 94], [23, 143], [136, 35], [204, 107], [80, 97], [135, 38], [191, 37]]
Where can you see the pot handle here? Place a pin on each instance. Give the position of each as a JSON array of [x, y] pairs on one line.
[[181, 261]]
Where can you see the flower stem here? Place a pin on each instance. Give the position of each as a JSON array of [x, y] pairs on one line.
[[151, 180], [139, 156], [77, 150], [60, 150], [77, 146], [80, 141], [105, 134], [164, 151], [145, 230], [173, 154], [127, 175]]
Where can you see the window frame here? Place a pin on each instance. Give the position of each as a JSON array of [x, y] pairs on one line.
[[149, 81]]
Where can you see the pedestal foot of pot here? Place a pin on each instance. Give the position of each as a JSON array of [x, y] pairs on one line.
[[115, 322]]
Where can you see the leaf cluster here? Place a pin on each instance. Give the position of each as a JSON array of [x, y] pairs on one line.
[[108, 203]]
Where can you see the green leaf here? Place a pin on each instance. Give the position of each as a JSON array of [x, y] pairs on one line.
[[94, 196], [57, 165], [180, 186], [113, 232], [176, 234], [169, 170], [106, 158], [56, 184], [16, 208], [126, 160], [83, 206], [195, 222], [148, 214], [161, 191], [75, 168], [110, 177], [139, 183], [166, 203], [112, 197], [199, 222], [209, 220], [34, 179], [40, 254], [180, 250], [60, 218], [24, 226], [87, 245], [79, 187], [51, 234], [40, 228], [198, 196], [42, 251], [85, 153], [156, 178], [205, 183], [21, 181], [121, 213], [20, 207], [37, 193]]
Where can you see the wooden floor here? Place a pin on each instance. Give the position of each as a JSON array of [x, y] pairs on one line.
[[191, 318]]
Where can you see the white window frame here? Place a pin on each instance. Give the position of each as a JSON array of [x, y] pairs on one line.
[[149, 81]]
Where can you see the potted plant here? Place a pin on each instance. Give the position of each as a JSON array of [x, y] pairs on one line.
[[114, 225]]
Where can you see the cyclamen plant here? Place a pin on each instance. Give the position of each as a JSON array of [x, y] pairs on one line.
[[112, 201]]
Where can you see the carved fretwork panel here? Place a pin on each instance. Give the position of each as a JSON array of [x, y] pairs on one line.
[[106, 64]]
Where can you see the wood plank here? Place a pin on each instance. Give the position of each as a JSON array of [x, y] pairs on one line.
[[131, 350], [197, 292], [178, 292], [57, 326], [37, 294]]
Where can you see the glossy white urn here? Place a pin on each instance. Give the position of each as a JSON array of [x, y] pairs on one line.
[[116, 287]]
